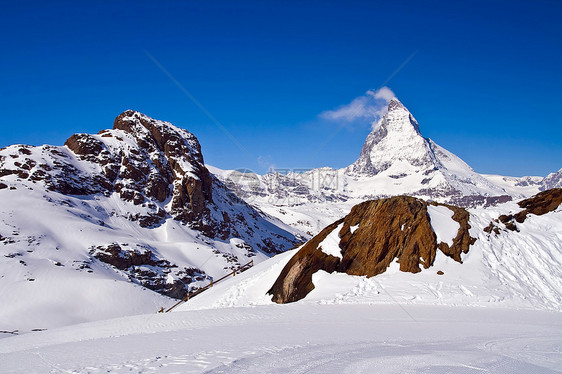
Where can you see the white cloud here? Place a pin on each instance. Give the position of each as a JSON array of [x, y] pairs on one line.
[[369, 107], [383, 93]]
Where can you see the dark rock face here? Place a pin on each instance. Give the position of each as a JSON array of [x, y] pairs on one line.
[[145, 268], [178, 163], [383, 230], [540, 204], [85, 145]]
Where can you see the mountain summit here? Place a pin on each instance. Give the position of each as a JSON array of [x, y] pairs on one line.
[[396, 138], [130, 206], [396, 151]]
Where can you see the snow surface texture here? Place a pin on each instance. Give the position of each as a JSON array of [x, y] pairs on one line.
[[299, 339], [331, 244], [521, 270], [443, 224]]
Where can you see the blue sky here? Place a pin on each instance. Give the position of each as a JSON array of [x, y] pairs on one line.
[[483, 78]]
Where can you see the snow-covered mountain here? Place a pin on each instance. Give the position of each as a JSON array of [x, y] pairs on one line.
[[395, 160], [396, 151], [552, 180], [405, 251], [87, 228]]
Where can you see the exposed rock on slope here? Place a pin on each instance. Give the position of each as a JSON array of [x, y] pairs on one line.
[[144, 267], [145, 160], [139, 200], [553, 180], [541, 203], [368, 239]]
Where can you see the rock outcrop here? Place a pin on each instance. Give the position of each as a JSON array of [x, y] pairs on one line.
[[370, 237], [144, 267], [146, 160], [542, 203]]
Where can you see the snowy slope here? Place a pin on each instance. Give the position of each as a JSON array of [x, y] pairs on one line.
[[517, 186], [105, 225], [299, 339], [521, 270]]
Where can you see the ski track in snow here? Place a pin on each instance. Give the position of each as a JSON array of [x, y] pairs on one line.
[[299, 338]]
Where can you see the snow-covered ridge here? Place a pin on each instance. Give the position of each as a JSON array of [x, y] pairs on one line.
[[114, 219]]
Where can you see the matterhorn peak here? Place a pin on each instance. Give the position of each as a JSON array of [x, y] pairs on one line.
[[397, 120], [395, 104], [395, 138], [397, 154]]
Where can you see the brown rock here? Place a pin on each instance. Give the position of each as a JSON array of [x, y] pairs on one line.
[[84, 145], [192, 189], [388, 229], [541, 203]]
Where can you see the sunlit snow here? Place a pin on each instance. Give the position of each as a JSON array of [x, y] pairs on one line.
[[443, 224], [331, 244]]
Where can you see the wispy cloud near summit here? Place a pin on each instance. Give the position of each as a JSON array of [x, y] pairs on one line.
[[369, 107]]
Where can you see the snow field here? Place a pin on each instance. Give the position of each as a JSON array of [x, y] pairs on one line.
[[299, 338]]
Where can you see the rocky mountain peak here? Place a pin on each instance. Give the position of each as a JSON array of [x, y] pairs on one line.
[[144, 159], [395, 104], [167, 137], [396, 154], [395, 140]]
